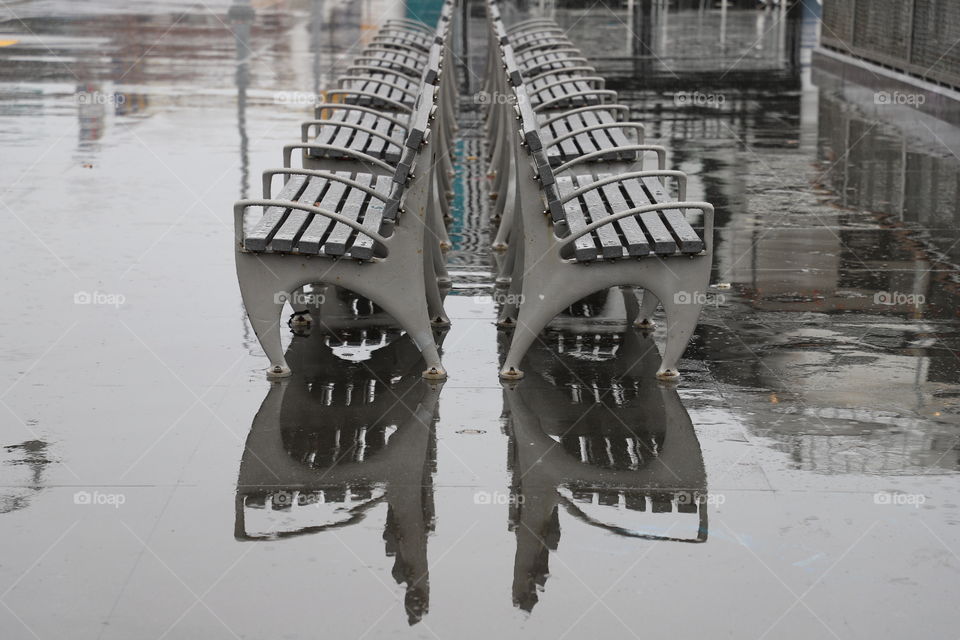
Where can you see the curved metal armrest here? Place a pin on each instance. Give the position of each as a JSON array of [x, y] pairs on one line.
[[679, 175], [527, 57], [370, 94], [416, 55], [534, 42], [558, 83], [357, 155], [661, 155], [340, 106], [706, 207], [269, 173], [531, 22], [577, 68], [592, 107], [240, 208], [595, 127], [388, 65], [392, 85], [548, 45], [349, 125], [550, 27], [543, 106], [413, 24], [383, 70], [392, 44]]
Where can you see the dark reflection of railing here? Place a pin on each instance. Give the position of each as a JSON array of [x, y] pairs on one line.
[[593, 431], [340, 437]]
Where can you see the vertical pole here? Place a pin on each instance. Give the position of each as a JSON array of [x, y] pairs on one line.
[[723, 26], [464, 36]]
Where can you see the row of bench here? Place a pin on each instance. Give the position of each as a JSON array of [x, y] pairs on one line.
[[579, 210], [366, 207]]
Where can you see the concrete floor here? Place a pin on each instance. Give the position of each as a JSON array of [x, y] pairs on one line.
[[819, 423]]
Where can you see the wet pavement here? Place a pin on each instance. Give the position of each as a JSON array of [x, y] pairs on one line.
[[800, 482]]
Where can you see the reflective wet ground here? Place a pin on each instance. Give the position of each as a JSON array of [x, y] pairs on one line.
[[800, 482]]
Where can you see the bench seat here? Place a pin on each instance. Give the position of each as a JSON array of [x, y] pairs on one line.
[[655, 233], [294, 231], [386, 145], [614, 138], [563, 89]]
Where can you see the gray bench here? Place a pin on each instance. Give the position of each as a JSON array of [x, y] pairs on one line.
[[604, 209], [353, 220]]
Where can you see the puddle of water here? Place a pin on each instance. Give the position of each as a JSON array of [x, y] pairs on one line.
[[146, 466]]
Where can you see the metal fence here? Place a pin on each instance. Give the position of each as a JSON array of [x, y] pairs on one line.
[[919, 37]]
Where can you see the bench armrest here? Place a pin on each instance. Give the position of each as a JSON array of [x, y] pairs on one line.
[[596, 127], [240, 208], [358, 155], [706, 207], [679, 175], [661, 155], [543, 106]]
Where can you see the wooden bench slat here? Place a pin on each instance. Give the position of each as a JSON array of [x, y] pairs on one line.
[[610, 244], [663, 241], [344, 134], [568, 148], [586, 142], [637, 244], [312, 238], [600, 138], [336, 244], [362, 248], [296, 219], [273, 217], [687, 238], [617, 136], [584, 248]]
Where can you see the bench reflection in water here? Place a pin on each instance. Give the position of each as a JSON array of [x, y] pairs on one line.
[[592, 431], [338, 438]]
